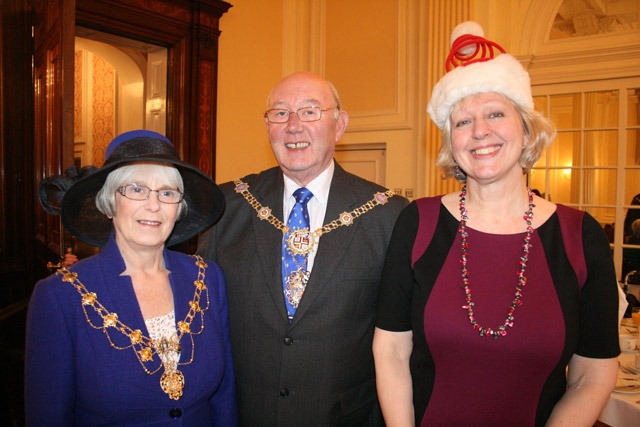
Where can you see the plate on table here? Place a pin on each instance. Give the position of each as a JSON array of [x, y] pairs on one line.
[[627, 389], [629, 369]]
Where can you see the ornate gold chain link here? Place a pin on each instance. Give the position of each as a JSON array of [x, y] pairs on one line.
[[172, 382], [345, 218]]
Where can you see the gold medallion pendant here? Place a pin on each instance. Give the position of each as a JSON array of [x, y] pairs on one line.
[[172, 383], [300, 241], [296, 283]]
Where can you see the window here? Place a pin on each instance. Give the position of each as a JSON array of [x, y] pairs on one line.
[[594, 162]]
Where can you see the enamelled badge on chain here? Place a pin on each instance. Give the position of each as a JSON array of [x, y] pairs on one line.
[[301, 241]]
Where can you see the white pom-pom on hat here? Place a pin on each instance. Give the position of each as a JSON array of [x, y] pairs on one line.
[[468, 27], [503, 74]]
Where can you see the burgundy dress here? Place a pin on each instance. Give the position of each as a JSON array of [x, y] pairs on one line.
[[462, 379]]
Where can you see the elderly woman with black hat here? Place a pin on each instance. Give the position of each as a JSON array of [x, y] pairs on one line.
[[136, 334], [490, 293]]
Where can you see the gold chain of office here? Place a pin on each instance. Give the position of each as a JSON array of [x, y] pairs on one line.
[[172, 380], [345, 218]]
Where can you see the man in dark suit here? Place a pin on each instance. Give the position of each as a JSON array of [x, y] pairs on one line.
[[301, 336]]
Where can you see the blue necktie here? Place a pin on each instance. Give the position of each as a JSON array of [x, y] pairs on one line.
[[294, 264]]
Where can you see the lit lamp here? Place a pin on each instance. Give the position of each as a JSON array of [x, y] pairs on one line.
[[156, 106]]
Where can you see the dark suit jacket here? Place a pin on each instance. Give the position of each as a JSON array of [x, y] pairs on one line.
[[317, 370]]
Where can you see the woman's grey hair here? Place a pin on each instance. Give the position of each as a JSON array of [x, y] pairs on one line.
[[540, 130], [106, 197]]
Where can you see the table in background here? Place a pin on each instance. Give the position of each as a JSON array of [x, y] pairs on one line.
[[623, 410]]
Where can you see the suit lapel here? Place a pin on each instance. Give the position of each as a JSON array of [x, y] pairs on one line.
[[269, 239], [116, 293], [181, 296]]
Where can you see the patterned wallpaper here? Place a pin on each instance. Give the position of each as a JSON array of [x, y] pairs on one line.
[[94, 117], [78, 90], [103, 123]]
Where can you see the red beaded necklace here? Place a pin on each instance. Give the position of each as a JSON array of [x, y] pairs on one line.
[[522, 280]]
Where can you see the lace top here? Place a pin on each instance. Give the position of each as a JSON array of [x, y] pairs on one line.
[[162, 329]]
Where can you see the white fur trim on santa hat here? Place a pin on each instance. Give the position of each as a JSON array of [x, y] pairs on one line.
[[503, 74]]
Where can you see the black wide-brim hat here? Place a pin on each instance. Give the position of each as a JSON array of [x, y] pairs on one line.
[[81, 217]]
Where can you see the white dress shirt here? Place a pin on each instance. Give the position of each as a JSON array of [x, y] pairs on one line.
[[317, 205]]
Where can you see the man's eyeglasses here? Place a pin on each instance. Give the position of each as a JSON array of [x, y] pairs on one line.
[[140, 193], [305, 114]]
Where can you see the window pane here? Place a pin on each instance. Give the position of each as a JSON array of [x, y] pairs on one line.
[[559, 186], [631, 216], [601, 148], [606, 217], [599, 187], [632, 185], [537, 180], [633, 112], [633, 148], [601, 109], [631, 262], [564, 151], [565, 111]]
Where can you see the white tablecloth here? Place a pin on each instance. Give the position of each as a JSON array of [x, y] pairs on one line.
[[623, 410]]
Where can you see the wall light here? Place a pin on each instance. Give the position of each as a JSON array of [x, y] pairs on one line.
[[156, 105]]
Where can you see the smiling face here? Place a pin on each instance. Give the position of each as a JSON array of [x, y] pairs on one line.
[[145, 224], [305, 149], [487, 137]]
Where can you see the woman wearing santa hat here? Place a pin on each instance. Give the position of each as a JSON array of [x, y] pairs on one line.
[[490, 293]]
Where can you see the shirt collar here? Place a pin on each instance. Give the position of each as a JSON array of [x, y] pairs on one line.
[[319, 186]]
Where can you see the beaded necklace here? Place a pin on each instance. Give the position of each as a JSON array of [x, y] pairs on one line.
[[172, 380], [466, 282]]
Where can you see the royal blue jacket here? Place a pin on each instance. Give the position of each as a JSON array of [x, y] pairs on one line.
[[73, 376]]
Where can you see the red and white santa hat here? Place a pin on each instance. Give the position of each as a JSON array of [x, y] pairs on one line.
[[473, 68]]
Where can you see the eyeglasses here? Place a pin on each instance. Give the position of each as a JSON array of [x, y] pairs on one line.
[[140, 193], [305, 114]]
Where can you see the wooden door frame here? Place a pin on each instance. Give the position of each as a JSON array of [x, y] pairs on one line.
[[187, 29]]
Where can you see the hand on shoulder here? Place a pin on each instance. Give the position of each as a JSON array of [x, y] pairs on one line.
[[69, 258]]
